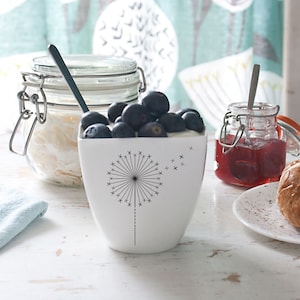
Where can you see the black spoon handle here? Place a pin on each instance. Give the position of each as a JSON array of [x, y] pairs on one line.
[[68, 77]]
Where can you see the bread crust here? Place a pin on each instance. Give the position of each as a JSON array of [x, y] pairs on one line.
[[288, 193]]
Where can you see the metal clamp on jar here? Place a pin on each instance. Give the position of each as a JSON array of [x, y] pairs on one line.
[[49, 114], [251, 146]]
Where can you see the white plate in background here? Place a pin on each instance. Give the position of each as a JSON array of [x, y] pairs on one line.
[[257, 209]]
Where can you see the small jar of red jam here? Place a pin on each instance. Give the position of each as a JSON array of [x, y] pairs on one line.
[[250, 146]]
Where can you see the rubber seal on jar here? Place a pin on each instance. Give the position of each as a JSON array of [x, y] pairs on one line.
[[292, 131]]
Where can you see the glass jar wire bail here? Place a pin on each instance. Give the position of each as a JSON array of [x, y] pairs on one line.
[[40, 113], [223, 132]]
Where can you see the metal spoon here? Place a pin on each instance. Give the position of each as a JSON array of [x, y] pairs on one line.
[[68, 77], [253, 85]]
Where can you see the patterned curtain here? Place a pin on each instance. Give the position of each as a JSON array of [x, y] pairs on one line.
[[200, 52]]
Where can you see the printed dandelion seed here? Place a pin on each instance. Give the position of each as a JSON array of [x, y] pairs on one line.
[[134, 178]]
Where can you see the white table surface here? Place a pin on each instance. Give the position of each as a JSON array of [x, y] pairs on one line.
[[63, 255]]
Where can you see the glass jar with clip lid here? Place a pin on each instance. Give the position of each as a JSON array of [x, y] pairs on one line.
[[50, 115], [251, 145]]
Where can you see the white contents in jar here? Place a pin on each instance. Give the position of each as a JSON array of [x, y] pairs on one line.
[[52, 150]]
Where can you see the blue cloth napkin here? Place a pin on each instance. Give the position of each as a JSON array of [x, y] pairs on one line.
[[17, 211]]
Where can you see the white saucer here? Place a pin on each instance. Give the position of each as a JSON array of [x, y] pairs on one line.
[[257, 209]]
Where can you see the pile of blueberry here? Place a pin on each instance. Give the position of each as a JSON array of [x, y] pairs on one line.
[[150, 118]]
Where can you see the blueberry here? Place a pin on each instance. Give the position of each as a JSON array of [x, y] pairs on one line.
[[92, 117], [97, 130], [156, 103], [172, 122], [115, 110], [193, 121], [135, 115], [182, 111], [152, 129], [122, 130]]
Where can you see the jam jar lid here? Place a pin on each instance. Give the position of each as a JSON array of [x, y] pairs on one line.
[[86, 65]]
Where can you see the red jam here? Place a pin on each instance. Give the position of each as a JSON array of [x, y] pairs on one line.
[[250, 164]]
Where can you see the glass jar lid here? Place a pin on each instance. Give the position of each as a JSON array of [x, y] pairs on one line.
[[86, 65], [92, 73]]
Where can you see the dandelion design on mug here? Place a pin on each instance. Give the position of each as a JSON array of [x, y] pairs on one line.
[[135, 179]]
